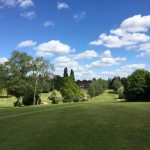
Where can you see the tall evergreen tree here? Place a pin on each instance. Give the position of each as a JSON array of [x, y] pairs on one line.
[[72, 75], [65, 72]]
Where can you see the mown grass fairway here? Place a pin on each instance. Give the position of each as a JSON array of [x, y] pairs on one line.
[[100, 124]]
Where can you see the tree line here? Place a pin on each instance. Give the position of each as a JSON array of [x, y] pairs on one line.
[[136, 87]]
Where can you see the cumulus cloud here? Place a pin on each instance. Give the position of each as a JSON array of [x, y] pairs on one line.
[[29, 15], [28, 43], [136, 23], [3, 60], [88, 54], [53, 47], [123, 71], [145, 48], [106, 60], [16, 3], [48, 23], [130, 34], [80, 15], [62, 6]]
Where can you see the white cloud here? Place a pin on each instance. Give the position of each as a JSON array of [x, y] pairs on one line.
[[129, 35], [8, 3], [136, 23], [15, 3], [28, 43], [106, 60], [62, 6], [145, 48], [25, 3], [115, 41], [48, 23], [123, 71], [88, 54], [80, 15], [53, 47], [3, 60], [29, 15]]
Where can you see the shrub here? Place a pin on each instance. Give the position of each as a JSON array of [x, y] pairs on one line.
[[28, 99], [121, 92], [17, 104], [55, 97]]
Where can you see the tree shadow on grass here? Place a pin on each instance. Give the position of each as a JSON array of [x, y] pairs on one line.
[[5, 96]]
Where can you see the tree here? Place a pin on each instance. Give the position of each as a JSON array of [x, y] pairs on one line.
[[65, 72], [116, 85], [58, 82], [17, 87], [136, 87], [70, 90], [72, 75], [97, 87], [3, 77], [42, 70], [18, 67]]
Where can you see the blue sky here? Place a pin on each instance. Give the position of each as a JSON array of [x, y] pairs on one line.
[[96, 38]]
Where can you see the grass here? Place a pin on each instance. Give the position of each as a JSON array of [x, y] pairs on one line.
[[100, 124]]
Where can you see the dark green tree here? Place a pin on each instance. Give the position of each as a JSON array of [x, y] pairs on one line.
[[136, 87], [58, 82], [72, 75], [18, 67], [116, 85], [65, 72]]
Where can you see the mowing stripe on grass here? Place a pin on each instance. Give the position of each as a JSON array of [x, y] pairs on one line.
[[36, 111]]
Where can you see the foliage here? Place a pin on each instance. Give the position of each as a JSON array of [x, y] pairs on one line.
[[116, 85], [55, 97], [22, 71], [70, 90], [97, 87], [58, 82], [137, 86], [120, 92], [65, 72], [29, 100], [72, 75]]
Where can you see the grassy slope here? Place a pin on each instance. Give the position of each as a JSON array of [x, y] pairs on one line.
[[102, 123]]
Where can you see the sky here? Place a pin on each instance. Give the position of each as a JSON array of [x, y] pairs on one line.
[[95, 38]]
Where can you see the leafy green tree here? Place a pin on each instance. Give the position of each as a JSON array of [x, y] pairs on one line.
[[58, 82], [17, 87], [42, 70], [3, 77], [18, 67], [116, 85], [136, 87], [97, 87]]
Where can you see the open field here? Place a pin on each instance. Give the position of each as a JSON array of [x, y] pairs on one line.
[[100, 124]]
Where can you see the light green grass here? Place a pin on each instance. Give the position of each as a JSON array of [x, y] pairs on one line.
[[100, 124]]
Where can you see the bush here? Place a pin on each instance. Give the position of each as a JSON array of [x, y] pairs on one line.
[[121, 92], [55, 97], [28, 99], [17, 104]]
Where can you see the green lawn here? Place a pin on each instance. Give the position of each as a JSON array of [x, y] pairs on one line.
[[100, 124]]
